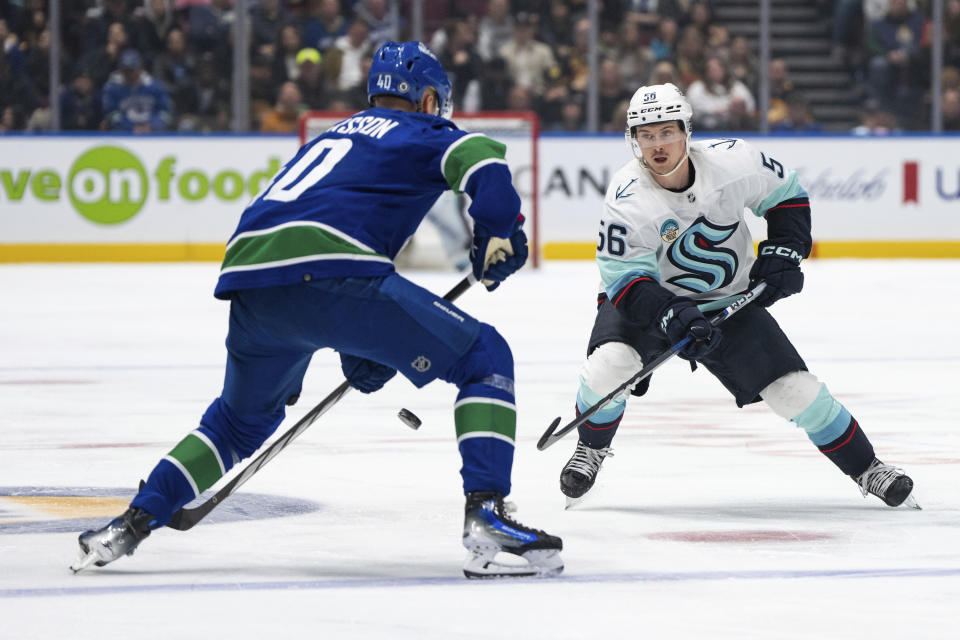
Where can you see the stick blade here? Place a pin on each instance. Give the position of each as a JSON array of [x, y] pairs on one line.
[[544, 440]]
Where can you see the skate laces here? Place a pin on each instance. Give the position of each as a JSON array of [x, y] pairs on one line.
[[877, 478], [587, 460]]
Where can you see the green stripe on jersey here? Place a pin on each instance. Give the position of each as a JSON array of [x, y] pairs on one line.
[[474, 419], [288, 243], [199, 460], [466, 153]]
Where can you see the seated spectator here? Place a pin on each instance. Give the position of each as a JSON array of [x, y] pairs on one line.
[[718, 41], [151, 24], [494, 29], [285, 65], [208, 104], [345, 59], [102, 61], [719, 102], [896, 39], [80, 104], [495, 84], [847, 33], [611, 89], [780, 87], [742, 63], [99, 21], [690, 54], [175, 67], [18, 97], [377, 15], [266, 19], [556, 27], [950, 108], [664, 43], [799, 118], [132, 101], [463, 64], [527, 59], [664, 72], [283, 118], [324, 25], [209, 25], [310, 80], [633, 59]]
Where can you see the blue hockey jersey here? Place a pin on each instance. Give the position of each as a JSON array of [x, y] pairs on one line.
[[348, 201]]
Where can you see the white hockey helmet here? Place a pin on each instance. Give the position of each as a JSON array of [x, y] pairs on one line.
[[657, 103]]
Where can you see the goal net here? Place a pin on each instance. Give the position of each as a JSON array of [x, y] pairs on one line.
[[443, 240]]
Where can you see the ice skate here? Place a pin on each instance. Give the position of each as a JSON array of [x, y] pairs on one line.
[[581, 471], [489, 531], [118, 538], [888, 483]]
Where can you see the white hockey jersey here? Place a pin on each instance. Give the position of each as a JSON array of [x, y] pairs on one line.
[[695, 242]]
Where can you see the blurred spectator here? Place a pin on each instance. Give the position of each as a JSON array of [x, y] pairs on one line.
[[664, 72], [690, 54], [266, 20], [132, 101], [80, 104], [556, 27], [895, 38], [495, 29], [208, 105], [847, 34], [310, 80], [34, 25], [209, 25], [700, 18], [18, 97], [719, 102], [495, 85], [634, 60], [950, 107], [285, 59], [615, 124], [99, 21], [780, 87], [377, 15], [875, 120], [573, 117], [665, 42], [10, 46], [463, 65], [345, 59], [799, 118], [325, 24], [151, 24], [102, 61], [951, 33], [283, 118], [520, 98], [611, 89], [718, 41], [37, 62], [742, 63], [175, 67], [527, 59], [644, 14]]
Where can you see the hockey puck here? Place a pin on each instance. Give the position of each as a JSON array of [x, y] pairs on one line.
[[408, 418]]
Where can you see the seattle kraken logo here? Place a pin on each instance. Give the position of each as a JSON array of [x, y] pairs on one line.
[[707, 265]]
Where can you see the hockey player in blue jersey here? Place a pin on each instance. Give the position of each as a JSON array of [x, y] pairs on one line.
[[310, 266], [672, 238]]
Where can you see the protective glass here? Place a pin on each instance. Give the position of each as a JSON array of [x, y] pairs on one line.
[[649, 138]]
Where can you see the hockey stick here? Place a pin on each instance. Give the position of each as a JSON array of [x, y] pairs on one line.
[[551, 435], [185, 518]]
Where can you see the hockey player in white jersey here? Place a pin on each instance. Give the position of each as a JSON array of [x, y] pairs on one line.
[[673, 240]]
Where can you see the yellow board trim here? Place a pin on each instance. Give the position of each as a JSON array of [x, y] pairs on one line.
[[826, 249], [10, 253], [111, 252]]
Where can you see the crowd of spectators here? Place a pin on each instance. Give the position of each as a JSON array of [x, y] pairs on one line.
[[166, 65]]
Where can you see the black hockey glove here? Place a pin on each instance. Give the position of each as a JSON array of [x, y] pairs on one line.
[[496, 258], [365, 374], [779, 267], [681, 319]]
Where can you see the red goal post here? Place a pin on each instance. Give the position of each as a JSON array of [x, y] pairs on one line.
[[518, 130]]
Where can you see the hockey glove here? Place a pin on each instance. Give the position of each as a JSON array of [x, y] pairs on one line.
[[779, 267], [681, 319], [365, 374], [496, 258]]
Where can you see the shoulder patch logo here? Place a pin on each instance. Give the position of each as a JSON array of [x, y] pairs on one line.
[[669, 230], [421, 364], [620, 190]]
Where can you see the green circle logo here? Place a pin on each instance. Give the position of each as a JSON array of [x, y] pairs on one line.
[[107, 185]]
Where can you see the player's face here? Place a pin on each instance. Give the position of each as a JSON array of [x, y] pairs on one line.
[[662, 144]]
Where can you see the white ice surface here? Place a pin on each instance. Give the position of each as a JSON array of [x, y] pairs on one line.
[[710, 521]]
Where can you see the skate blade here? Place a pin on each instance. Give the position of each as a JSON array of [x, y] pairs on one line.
[[911, 502], [572, 502], [487, 564], [84, 560]]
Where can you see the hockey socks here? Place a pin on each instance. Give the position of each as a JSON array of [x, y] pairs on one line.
[[851, 452], [486, 433]]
